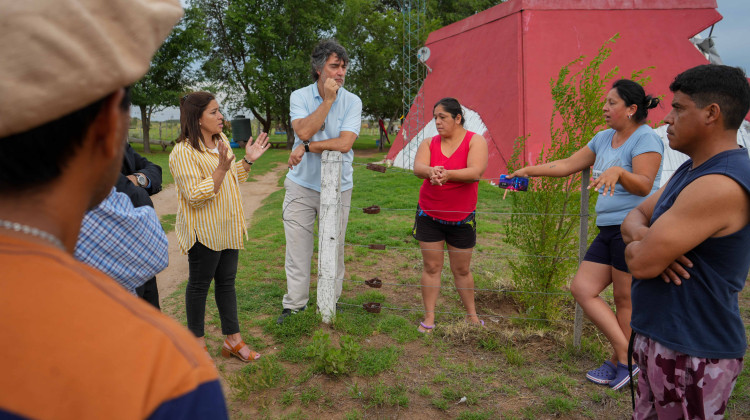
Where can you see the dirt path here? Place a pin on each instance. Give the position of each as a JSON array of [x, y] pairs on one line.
[[253, 193]]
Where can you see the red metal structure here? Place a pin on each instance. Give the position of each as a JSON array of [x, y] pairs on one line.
[[499, 62]]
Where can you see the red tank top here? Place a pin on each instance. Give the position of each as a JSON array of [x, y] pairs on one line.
[[453, 201]]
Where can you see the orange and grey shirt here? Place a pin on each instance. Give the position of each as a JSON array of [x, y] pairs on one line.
[[216, 220], [77, 345]]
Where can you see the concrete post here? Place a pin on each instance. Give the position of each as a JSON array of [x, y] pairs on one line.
[[583, 235], [328, 232]]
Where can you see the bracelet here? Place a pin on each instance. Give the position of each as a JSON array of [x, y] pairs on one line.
[[247, 161]]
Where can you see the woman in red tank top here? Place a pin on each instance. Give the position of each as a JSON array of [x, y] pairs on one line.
[[451, 164]]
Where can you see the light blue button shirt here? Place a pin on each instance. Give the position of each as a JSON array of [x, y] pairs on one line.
[[345, 115]]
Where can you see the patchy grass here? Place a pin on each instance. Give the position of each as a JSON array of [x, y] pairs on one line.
[[167, 222], [510, 369], [266, 373]]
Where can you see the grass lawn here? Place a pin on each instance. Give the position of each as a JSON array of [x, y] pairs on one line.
[[269, 160], [367, 365]]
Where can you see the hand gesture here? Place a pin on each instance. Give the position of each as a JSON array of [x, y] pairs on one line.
[[296, 156], [255, 149], [676, 272], [607, 181], [521, 172], [330, 89], [226, 157], [438, 175]]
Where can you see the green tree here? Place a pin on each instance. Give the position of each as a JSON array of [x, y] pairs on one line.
[[548, 237], [171, 70], [262, 49], [371, 32], [444, 12]]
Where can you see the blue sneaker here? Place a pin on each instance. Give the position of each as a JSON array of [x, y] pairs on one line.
[[623, 377], [604, 374]]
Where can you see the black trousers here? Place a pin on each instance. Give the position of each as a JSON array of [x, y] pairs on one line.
[[149, 292], [204, 265]]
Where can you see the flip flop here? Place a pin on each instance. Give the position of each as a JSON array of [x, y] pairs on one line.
[[427, 328]]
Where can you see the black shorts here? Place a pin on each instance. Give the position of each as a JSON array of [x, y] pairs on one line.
[[608, 248], [463, 236]]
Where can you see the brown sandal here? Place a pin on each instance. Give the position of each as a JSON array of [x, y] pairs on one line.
[[227, 351]]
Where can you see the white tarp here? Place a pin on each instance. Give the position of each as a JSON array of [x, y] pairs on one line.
[[673, 159]]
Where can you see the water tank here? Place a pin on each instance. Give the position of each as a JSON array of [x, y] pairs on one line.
[[241, 129]]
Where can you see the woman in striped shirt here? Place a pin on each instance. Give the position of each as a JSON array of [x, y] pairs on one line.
[[210, 222]]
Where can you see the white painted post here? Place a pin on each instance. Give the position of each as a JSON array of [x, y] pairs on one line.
[[328, 232]]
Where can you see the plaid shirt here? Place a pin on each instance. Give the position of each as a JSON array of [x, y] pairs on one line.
[[127, 243]]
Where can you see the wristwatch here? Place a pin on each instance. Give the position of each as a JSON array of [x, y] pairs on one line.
[[142, 180], [307, 145]]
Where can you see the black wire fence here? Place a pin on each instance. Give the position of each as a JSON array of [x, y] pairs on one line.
[[375, 209]]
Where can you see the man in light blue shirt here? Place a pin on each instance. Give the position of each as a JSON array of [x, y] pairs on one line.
[[324, 116]]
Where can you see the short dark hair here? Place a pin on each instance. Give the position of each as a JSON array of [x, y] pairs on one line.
[[452, 106], [714, 83], [37, 156], [192, 106], [633, 93], [320, 55]]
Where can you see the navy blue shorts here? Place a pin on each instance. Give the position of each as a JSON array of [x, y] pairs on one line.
[[463, 236], [608, 248]]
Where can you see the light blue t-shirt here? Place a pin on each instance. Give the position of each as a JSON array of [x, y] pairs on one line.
[[611, 210], [345, 115]]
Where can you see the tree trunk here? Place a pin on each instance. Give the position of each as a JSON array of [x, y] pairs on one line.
[[146, 125], [289, 133], [264, 122], [268, 124]]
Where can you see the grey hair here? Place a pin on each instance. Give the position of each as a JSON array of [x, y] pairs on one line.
[[320, 55]]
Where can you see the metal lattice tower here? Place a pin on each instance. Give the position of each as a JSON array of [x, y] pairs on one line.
[[414, 15]]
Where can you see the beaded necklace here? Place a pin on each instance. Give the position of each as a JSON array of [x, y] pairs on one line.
[[30, 230]]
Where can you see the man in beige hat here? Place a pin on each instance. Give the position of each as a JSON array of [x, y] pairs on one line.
[[75, 343]]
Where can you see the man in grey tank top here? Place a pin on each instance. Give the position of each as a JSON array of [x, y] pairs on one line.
[[687, 251]]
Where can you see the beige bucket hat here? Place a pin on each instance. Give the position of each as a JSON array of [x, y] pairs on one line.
[[58, 56]]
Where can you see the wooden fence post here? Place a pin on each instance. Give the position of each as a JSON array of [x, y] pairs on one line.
[[328, 232], [583, 235]]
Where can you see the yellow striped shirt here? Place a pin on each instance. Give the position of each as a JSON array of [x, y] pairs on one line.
[[215, 220]]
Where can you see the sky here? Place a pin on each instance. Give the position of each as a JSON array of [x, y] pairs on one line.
[[731, 35]]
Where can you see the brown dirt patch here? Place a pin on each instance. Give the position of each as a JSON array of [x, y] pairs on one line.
[[253, 193]]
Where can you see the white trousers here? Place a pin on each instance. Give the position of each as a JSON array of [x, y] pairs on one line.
[[301, 209]]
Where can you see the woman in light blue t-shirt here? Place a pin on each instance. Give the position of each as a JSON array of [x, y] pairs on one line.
[[626, 160]]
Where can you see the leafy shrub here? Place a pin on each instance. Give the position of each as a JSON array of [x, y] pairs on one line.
[[330, 360], [545, 221]]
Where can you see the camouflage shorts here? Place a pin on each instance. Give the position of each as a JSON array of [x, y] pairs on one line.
[[674, 385]]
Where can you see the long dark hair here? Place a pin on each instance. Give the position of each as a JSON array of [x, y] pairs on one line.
[[192, 106], [633, 93]]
